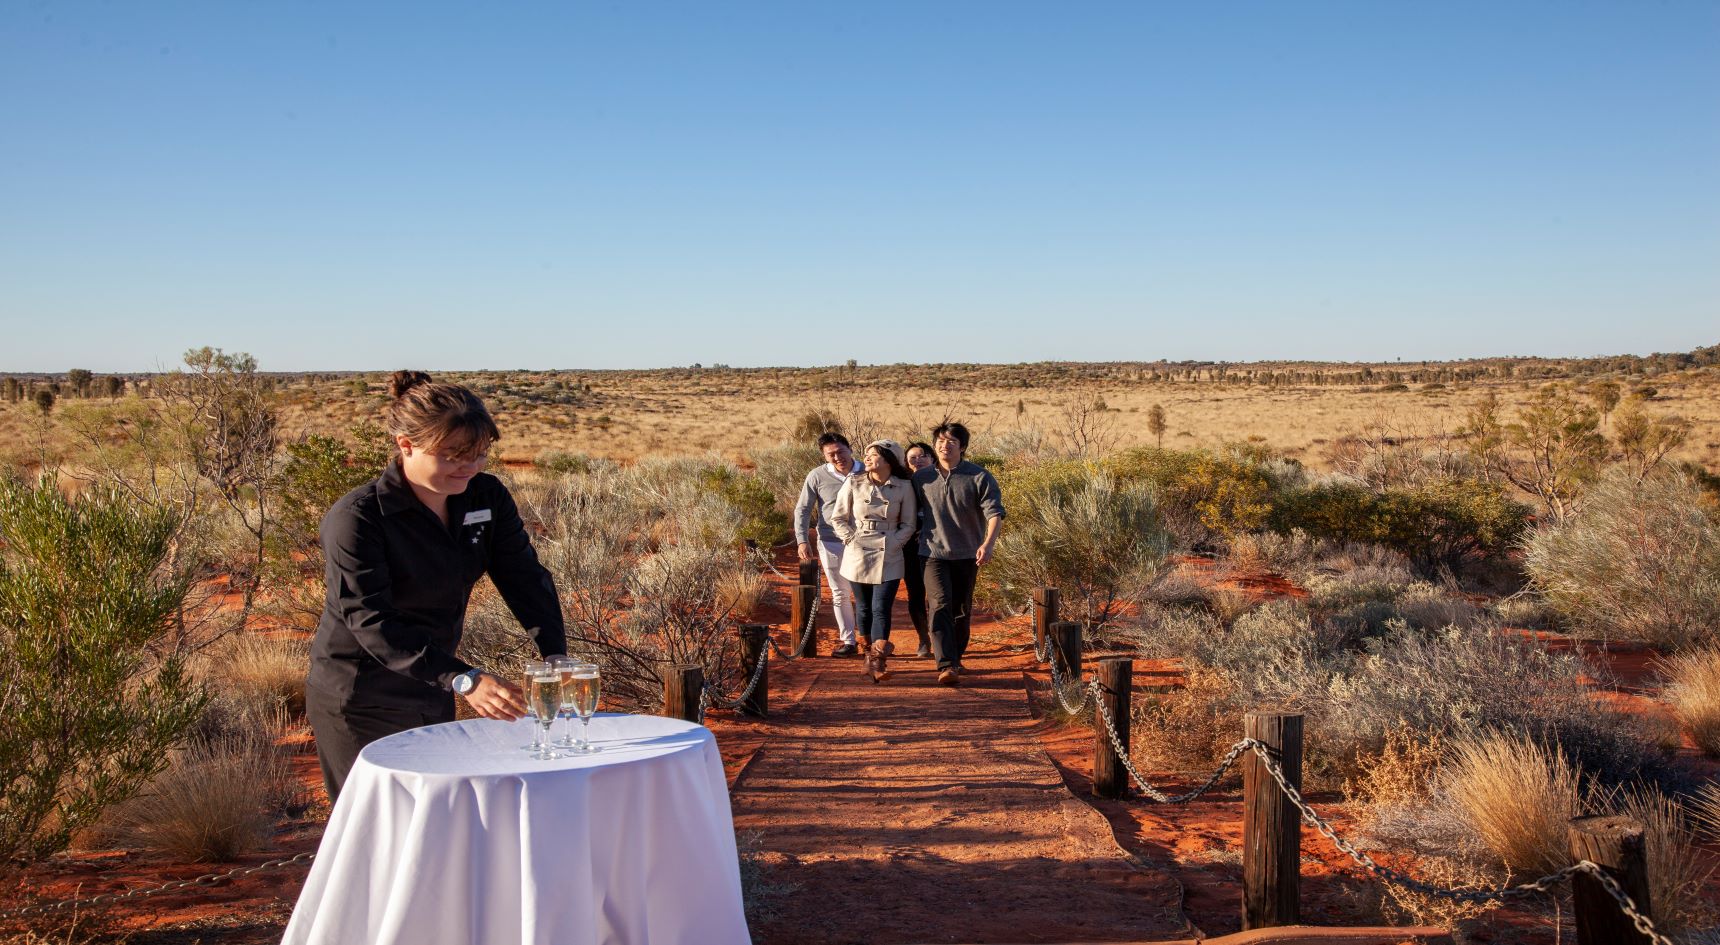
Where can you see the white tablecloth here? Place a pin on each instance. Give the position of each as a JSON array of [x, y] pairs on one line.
[[452, 833]]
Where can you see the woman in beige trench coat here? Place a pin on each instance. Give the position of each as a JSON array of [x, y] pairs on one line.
[[874, 515]]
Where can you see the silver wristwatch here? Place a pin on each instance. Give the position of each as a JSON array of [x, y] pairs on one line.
[[466, 682]]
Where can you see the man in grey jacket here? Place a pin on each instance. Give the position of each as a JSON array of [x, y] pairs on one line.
[[818, 493], [961, 511]]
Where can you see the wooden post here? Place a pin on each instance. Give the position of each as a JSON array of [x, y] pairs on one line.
[[805, 598], [1045, 605], [681, 688], [1066, 637], [1116, 681], [809, 572], [754, 638], [1271, 825], [1616, 845]]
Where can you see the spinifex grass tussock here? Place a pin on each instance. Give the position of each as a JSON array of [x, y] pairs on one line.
[[265, 669], [1519, 797], [1639, 561], [1694, 691], [1705, 810], [1677, 874], [217, 799]]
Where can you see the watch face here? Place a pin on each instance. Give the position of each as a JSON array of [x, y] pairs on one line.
[[464, 683]]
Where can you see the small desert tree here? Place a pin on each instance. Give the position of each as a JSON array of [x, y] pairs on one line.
[[44, 400], [1156, 424], [91, 704], [1644, 440], [79, 381], [1552, 450], [113, 385]]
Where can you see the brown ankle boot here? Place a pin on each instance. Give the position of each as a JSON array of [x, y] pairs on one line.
[[879, 660]]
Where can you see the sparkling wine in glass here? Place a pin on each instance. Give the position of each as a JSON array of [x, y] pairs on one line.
[[565, 666], [587, 686], [545, 698], [532, 668]]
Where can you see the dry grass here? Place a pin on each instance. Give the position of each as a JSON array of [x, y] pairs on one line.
[[740, 593], [1518, 797], [260, 671], [1694, 691], [627, 414], [1677, 876], [217, 799], [1705, 810]]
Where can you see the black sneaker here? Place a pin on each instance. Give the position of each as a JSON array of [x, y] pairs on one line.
[[846, 649]]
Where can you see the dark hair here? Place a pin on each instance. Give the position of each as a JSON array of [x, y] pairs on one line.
[[829, 438], [438, 416], [925, 448], [954, 430], [897, 467]]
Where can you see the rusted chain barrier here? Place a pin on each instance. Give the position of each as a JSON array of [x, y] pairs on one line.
[[208, 879]]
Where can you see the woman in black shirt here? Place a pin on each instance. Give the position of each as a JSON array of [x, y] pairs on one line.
[[403, 552]]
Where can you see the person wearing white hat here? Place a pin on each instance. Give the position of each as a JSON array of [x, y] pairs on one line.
[[874, 515]]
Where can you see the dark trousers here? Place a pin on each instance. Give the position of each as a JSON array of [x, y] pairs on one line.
[[914, 575], [342, 731], [949, 598], [872, 603]]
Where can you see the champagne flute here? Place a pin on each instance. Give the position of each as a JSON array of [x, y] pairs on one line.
[[532, 668], [545, 697], [587, 689], [564, 665]]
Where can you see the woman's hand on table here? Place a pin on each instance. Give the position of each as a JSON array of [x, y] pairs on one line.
[[496, 698]]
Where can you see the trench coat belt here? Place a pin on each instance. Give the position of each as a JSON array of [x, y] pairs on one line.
[[868, 525]]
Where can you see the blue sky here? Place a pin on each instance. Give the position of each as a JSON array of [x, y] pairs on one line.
[[365, 186]]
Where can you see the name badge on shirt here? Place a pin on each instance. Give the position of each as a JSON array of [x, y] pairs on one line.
[[473, 518]]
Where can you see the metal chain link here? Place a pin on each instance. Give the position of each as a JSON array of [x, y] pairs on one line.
[[1158, 796], [724, 702], [1626, 904], [805, 633], [208, 879], [1057, 686]]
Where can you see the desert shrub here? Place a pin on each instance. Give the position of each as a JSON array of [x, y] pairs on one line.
[[1082, 532], [1401, 773], [1525, 611], [1694, 691], [1289, 553], [1188, 728], [783, 469], [1204, 498], [1450, 523], [1640, 561], [217, 799], [562, 462], [764, 524], [1519, 798], [652, 573], [90, 708]]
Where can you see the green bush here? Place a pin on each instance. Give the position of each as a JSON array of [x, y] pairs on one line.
[[1639, 561], [91, 708], [763, 523], [1080, 531], [1203, 498], [1437, 523]]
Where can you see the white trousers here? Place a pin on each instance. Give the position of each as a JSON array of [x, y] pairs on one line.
[[841, 590]]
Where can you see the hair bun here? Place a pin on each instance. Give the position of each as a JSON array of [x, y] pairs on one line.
[[402, 381]]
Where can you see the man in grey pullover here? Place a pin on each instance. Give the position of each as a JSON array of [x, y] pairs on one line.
[[961, 511], [817, 493]]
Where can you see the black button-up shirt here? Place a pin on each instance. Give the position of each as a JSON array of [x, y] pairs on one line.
[[399, 581]]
